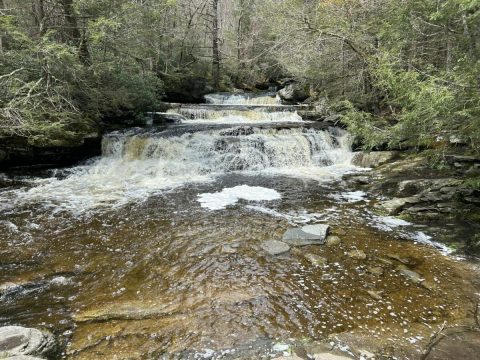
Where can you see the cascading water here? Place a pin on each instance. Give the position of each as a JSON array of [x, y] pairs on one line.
[[243, 99], [137, 163]]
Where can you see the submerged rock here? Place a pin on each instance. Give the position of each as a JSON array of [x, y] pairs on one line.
[[307, 235], [275, 247], [125, 311], [412, 275], [19, 341], [316, 260], [333, 240], [375, 294], [357, 254]]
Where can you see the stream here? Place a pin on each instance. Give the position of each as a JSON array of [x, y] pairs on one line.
[[154, 250]]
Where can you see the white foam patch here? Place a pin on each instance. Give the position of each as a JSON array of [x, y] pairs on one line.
[[351, 197], [229, 196], [423, 238], [388, 223]]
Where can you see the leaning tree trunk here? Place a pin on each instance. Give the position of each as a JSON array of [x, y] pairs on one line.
[[216, 50]]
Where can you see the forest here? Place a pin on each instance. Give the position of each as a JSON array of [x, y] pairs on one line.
[[403, 73]]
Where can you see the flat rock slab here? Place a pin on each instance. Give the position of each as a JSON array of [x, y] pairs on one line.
[[462, 345], [307, 235], [275, 247], [18, 340]]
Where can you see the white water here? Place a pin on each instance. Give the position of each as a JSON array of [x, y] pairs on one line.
[[209, 116], [134, 166], [243, 99]]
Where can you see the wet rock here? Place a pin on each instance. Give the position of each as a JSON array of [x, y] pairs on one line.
[[293, 93], [306, 235], [18, 340], [125, 311], [316, 260], [160, 118], [366, 355], [411, 275], [238, 131], [375, 294], [396, 205], [333, 240], [463, 345], [357, 254], [229, 249], [399, 258], [385, 261], [373, 159], [275, 247]]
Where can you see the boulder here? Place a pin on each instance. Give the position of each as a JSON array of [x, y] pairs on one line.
[[373, 159], [307, 235], [18, 341], [293, 93], [275, 247]]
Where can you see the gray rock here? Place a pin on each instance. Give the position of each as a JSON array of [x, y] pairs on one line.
[[357, 254], [18, 340], [24, 357], [275, 247], [333, 240], [306, 235], [373, 159], [396, 205], [293, 93]]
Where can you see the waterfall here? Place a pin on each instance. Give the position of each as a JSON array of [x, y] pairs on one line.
[[243, 99], [139, 162]]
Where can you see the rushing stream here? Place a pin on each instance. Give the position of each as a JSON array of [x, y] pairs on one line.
[[154, 249]]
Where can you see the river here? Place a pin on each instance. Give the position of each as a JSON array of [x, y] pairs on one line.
[[154, 249]]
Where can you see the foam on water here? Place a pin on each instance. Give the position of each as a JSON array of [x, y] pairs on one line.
[[229, 196]]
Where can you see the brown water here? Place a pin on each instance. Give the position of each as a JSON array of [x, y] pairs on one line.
[[119, 267], [166, 277]]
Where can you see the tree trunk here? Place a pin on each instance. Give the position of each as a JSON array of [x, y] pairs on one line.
[[73, 32], [216, 50], [2, 41]]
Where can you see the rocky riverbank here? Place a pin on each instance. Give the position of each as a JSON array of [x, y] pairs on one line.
[[445, 200]]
